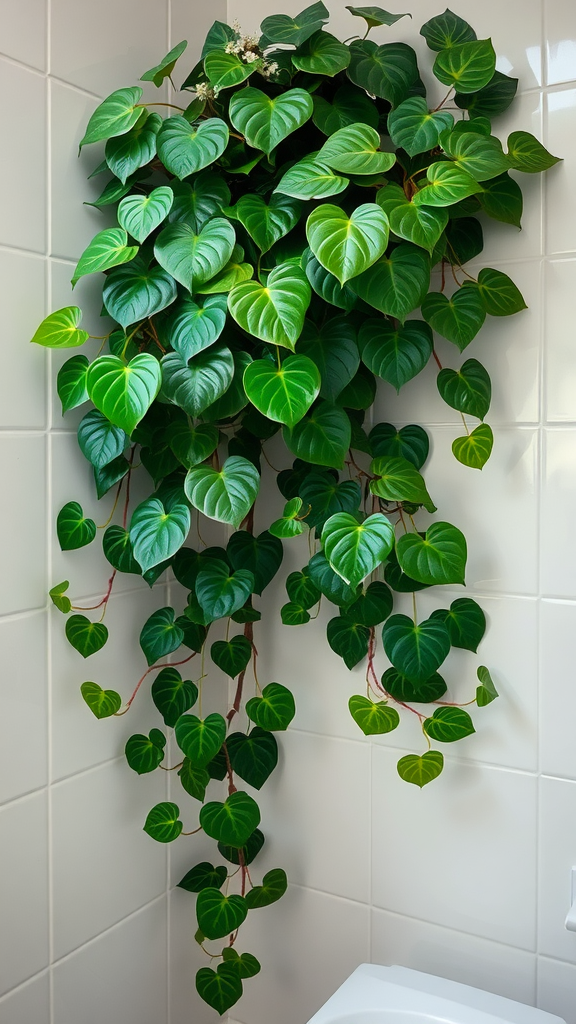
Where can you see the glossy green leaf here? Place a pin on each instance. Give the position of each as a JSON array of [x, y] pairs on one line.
[[284, 393], [422, 225], [200, 739], [196, 384], [60, 329], [221, 988], [226, 495], [114, 116], [274, 312], [71, 383], [195, 324], [474, 449], [499, 294], [117, 548], [280, 28], [397, 283], [99, 440], [289, 525], [274, 710], [73, 529], [102, 703], [502, 200], [404, 689], [458, 318], [192, 445], [231, 822], [217, 38], [374, 719], [234, 398], [325, 497], [413, 127], [322, 54], [448, 725], [373, 606], [58, 598], [326, 285], [107, 249], [349, 105], [410, 442], [185, 148], [266, 121], [301, 590], [165, 68], [416, 651], [124, 393], [172, 695], [274, 885], [219, 915], [310, 179], [231, 656], [163, 822], [221, 592], [447, 184], [466, 66], [266, 222], [194, 781], [486, 692], [321, 437], [126, 154], [141, 215], [347, 245], [254, 756], [294, 614], [387, 71], [134, 292], [447, 30], [398, 580], [395, 354], [468, 389], [492, 100], [160, 635], [465, 622], [374, 16], [157, 532], [356, 150], [355, 549], [198, 200], [261, 555], [526, 154], [329, 582], [203, 876], [84, 636], [479, 155], [235, 272], [332, 347], [437, 558], [348, 639], [193, 259], [144, 753], [398, 480], [420, 770], [226, 70]]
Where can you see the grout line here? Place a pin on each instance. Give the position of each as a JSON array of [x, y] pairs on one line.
[[457, 931]]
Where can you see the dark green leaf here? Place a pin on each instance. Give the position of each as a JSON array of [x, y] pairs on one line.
[[172, 695], [261, 555], [447, 30], [439, 558], [203, 876], [499, 294], [163, 822], [71, 383], [468, 389], [458, 318], [254, 756], [465, 622], [410, 442], [386, 71], [72, 527], [144, 753], [249, 851], [492, 100], [416, 651], [502, 200], [85, 637], [280, 28], [328, 582], [106, 476], [466, 66], [232, 656], [348, 639], [486, 692], [274, 885], [403, 689], [322, 437], [221, 988], [396, 284], [332, 347], [231, 822], [219, 915], [200, 739], [395, 354], [448, 725], [117, 548], [102, 703], [194, 781], [373, 606]]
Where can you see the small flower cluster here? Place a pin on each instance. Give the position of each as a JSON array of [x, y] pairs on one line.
[[247, 49], [205, 91]]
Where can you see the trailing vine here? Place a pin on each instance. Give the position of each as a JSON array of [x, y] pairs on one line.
[[276, 235]]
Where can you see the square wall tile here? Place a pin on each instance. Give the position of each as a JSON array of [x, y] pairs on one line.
[[23, 180], [23, 32], [23, 703], [22, 276], [23, 522], [557, 988], [192, 23], [108, 48], [120, 977], [30, 1002], [560, 35], [557, 856], [186, 958], [465, 958], [557, 693], [559, 351], [104, 865], [291, 940], [560, 139], [23, 890], [557, 553], [464, 849]]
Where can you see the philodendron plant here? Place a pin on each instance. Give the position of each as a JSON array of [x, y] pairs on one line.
[[270, 269]]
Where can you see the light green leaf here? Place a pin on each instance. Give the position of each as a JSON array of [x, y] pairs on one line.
[[134, 292], [266, 121], [322, 54], [157, 533], [439, 558], [114, 116], [333, 348], [374, 16], [284, 393], [60, 329], [479, 155], [73, 528], [84, 636], [102, 703], [124, 393], [185, 149], [310, 179], [194, 258], [395, 354], [458, 318], [225, 70], [266, 222], [200, 739], [397, 283], [274, 710], [347, 245], [526, 154], [486, 692], [398, 480], [374, 719], [448, 184], [235, 272], [387, 71], [275, 312], [466, 66], [499, 294], [356, 150], [165, 68], [226, 495], [448, 725], [447, 30], [107, 249], [280, 28], [468, 389], [233, 821], [322, 437], [349, 105], [355, 549], [422, 225], [415, 128], [416, 651], [163, 822], [141, 215], [57, 596], [420, 770], [196, 384], [474, 449]]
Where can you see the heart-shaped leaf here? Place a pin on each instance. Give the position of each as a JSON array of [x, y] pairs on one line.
[[290, 524], [413, 127], [99, 441], [280, 28], [347, 245], [493, 99], [283, 393], [192, 445], [274, 710], [465, 622], [72, 527], [185, 148], [200, 199], [249, 851], [114, 116], [261, 555], [127, 153], [448, 725], [499, 294], [422, 225], [322, 54], [486, 692], [468, 389], [266, 121], [447, 184], [134, 292], [326, 497], [144, 753], [395, 354], [348, 639], [172, 695], [71, 383], [57, 596], [117, 548], [480, 155], [526, 154], [356, 150], [200, 739], [226, 495], [373, 606], [396, 284], [311, 179], [85, 637], [275, 312], [420, 770], [221, 592], [374, 719], [102, 703], [467, 66], [231, 822], [502, 200], [225, 70], [474, 449], [193, 258], [301, 590], [386, 71], [322, 437], [194, 325], [266, 222], [403, 689], [163, 822], [415, 650], [398, 480], [219, 915], [274, 885], [294, 614], [410, 442], [221, 988], [203, 876], [160, 635], [124, 393], [458, 318], [254, 756], [355, 549], [141, 215], [446, 30], [333, 348], [194, 781], [326, 285], [156, 532], [165, 68], [374, 16], [107, 249], [60, 329], [438, 558], [194, 385], [349, 106], [232, 656]]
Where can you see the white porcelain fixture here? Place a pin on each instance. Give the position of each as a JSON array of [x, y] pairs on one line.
[[397, 995]]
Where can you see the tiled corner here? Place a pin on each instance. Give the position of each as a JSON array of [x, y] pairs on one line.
[[24, 37], [29, 1002], [23, 703], [557, 988]]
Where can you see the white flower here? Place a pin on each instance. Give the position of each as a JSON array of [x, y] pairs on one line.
[[249, 56]]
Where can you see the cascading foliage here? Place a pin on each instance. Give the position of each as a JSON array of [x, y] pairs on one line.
[[272, 260]]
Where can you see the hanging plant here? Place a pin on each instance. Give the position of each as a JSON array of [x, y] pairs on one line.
[[276, 238]]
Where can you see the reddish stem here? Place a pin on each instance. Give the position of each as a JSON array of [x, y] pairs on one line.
[[105, 599], [249, 634], [438, 363], [371, 654], [153, 668]]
